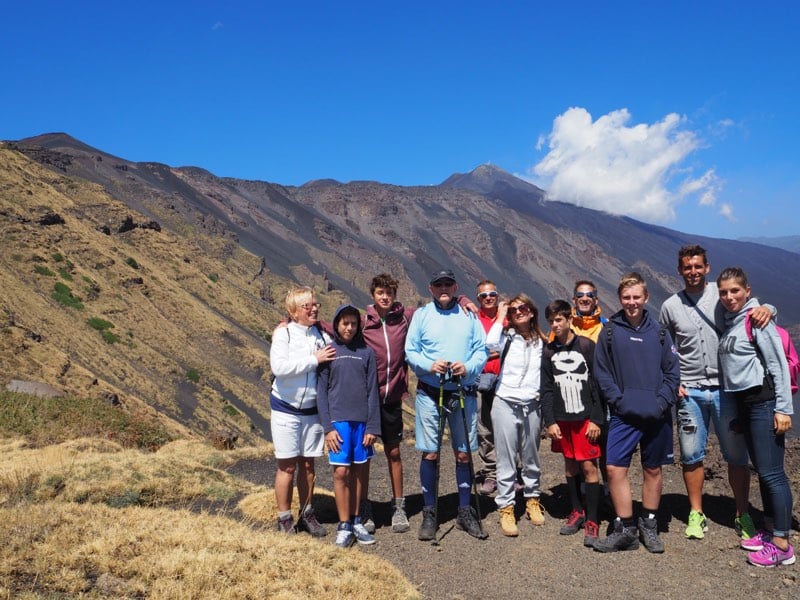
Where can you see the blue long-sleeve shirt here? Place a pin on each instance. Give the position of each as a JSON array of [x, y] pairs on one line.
[[445, 334]]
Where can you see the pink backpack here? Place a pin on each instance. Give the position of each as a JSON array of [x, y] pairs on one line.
[[788, 350]]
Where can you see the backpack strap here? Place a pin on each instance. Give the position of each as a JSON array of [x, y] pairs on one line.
[[748, 326]]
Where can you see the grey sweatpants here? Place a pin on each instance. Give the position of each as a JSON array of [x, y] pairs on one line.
[[517, 431]]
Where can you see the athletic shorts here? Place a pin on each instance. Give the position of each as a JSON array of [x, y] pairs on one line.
[[296, 435], [392, 423], [351, 450], [653, 437], [574, 444]]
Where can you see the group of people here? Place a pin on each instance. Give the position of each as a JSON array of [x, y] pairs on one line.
[[598, 388]]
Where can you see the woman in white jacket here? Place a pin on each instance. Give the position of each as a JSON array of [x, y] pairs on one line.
[[516, 412], [297, 349], [755, 373]]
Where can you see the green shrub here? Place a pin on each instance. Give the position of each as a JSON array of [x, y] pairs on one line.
[[99, 324], [58, 257], [65, 274], [109, 337], [63, 294], [230, 410], [132, 262], [193, 375], [42, 270], [214, 277]]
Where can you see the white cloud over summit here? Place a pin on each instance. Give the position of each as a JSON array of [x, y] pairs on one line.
[[634, 170]]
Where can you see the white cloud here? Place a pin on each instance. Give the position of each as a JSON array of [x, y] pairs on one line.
[[217, 26], [609, 165]]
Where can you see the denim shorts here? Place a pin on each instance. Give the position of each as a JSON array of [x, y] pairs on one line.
[[427, 423], [696, 412]]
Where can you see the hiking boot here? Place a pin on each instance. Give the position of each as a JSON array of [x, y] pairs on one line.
[[648, 532], [744, 526], [591, 533], [622, 538], [427, 531], [771, 556], [467, 521], [533, 508], [363, 537], [508, 522], [573, 523], [308, 522], [365, 512], [488, 487], [344, 536], [400, 522], [286, 526], [697, 526], [757, 542]]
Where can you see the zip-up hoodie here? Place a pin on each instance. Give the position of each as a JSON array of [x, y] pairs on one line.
[[347, 386], [638, 375], [387, 338], [292, 361], [740, 366]]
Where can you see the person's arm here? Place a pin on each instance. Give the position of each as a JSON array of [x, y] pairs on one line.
[[281, 362], [418, 362], [769, 344], [373, 403], [323, 406], [604, 370], [670, 372], [467, 305], [547, 392]]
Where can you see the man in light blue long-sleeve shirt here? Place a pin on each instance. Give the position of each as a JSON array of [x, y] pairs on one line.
[[444, 341]]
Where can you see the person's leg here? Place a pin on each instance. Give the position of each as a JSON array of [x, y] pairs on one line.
[[693, 420], [505, 446], [620, 487], [486, 451], [529, 435], [305, 480], [341, 492], [734, 450], [284, 482], [652, 486]]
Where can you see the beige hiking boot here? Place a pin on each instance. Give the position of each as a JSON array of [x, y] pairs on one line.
[[508, 522], [534, 510]]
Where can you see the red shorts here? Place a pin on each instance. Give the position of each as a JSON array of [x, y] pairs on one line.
[[574, 443]]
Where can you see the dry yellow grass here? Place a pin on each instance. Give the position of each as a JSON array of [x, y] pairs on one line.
[[54, 546], [96, 551]]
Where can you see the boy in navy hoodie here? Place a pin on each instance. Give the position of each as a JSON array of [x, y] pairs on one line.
[[347, 400]]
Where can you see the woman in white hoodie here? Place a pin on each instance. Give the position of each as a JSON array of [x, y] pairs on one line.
[[297, 350], [755, 373]]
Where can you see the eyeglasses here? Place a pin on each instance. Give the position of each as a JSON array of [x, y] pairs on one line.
[[587, 294], [484, 295], [442, 284], [522, 309], [310, 306]]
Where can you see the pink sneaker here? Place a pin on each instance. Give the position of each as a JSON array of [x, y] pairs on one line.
[[771, 556], [756, 543]]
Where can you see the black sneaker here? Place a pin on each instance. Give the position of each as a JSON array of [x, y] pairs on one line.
[[648, 531], [427, 531], [365, 512], [308, 522], [622, 538], [468, 521]]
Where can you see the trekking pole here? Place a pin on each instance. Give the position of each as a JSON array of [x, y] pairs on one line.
[[308, 500], [483, 535], [439, 436]]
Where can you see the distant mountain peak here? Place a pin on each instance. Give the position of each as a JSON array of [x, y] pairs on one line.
[[489, 179]]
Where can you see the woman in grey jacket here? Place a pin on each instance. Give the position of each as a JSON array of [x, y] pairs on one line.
[[757, 376]]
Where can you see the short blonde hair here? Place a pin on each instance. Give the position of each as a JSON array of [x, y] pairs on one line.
[[629, 280], [297, 297]]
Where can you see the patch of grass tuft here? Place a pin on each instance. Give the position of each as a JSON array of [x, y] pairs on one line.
[[230, 410], [42, 270], [131, 262], [193, 375], [64, 295]]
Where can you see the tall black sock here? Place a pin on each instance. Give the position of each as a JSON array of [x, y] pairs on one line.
[[592, 501], [574, 497]]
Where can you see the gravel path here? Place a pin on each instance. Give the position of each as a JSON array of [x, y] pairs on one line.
[[541, 563]]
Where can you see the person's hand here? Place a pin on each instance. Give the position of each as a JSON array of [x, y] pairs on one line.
[[458, 369], [440, 366], [682, 393], [783, 423], [502, 310], [470, 307], [282, 324], [760, 316], [333, 441], [554, 432], [369, 439], [325, 354], [593, 432]]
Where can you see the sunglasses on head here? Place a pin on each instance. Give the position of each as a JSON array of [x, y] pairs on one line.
[[587, 294], [484, 295]]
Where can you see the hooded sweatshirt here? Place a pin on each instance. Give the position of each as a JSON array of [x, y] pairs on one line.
[[387, 338], [740, 364], [637, 371], [347, 387]]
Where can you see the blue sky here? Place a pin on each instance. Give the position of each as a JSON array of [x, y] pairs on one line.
[[680, 113]]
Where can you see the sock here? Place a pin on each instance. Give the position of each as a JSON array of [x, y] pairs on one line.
[[574, 498], [284, 514], [355, 519], [427, 477], [464, 482], [400, 503], [648, 513], [628, 522], [592, 501], [308, 510]]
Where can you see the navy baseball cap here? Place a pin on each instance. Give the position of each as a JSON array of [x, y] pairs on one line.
[[443, 275]]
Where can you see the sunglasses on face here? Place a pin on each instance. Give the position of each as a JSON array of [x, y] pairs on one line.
[[310, 306], [484, 295], [587, 294], [522, 310]]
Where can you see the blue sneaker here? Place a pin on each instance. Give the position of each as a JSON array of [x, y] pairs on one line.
[[344, 538], [363, 536]]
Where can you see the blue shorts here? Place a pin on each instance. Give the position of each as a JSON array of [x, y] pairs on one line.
[[427, 423], [696, 412], [655, 438], [352, 450]]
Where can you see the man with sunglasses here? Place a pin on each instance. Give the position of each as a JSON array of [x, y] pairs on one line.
[[445, 346], [487, 314], [586, 318]]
